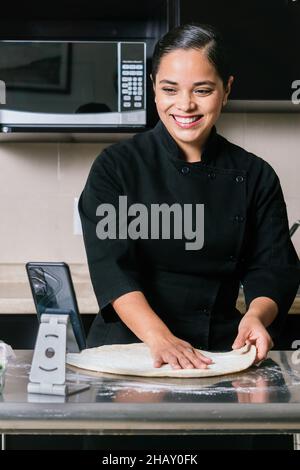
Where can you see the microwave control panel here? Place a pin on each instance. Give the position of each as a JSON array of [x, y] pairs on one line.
[[132, 66]]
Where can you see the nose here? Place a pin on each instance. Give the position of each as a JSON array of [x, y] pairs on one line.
[[185, 102]]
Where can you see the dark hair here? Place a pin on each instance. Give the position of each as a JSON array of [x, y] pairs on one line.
[[194, 36]]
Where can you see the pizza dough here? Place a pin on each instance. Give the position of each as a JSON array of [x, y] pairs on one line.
[[136, 359]]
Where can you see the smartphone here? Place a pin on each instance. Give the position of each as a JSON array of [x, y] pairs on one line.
[[53, 293]]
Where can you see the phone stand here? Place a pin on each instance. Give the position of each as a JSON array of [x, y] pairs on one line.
[[48, 369]]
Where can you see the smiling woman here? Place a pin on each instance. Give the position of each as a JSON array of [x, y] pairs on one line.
[[155, 289], [189, 108]]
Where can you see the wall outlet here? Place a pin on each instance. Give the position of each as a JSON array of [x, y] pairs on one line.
[[77, 228]]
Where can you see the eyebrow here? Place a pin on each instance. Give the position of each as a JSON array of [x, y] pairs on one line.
[[204, 82]]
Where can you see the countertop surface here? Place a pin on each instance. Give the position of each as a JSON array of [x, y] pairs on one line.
[[264, 398], [16, 297], [88, 305]]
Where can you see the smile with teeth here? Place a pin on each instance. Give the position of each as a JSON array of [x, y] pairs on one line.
[[184, 121]]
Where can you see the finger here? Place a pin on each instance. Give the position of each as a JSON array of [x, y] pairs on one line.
[[183, 360], [238, 343], [240, 340], [203, 358], [172, 360], [168, 359], [192, 363], [174, 363], [262, 346], [158, 362], [197, 358], [261, 353], [198, 354]]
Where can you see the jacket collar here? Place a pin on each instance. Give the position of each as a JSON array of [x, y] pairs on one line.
[[209, 151]]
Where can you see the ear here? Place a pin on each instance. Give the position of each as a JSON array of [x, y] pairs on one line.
[[228, 89]]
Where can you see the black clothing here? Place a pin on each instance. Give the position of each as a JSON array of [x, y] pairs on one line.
[[246, 238]]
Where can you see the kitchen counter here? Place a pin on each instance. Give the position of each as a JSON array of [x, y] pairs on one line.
[[264, 399], [16, 298], [88, 305]]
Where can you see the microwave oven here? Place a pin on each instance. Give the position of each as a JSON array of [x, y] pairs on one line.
[[72, 85]]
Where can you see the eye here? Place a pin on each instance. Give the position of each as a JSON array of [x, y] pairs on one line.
[[203, 91], [169, 90]]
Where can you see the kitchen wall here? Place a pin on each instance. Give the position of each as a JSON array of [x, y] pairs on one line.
[[39, 181]]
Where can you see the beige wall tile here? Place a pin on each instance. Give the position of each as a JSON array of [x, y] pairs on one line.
[[31, 227], [276, 138], [70, 247], [28, 168], [75, 161], [233, 127]]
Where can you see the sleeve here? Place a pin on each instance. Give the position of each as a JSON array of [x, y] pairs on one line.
[[272, 266], [112, 261]]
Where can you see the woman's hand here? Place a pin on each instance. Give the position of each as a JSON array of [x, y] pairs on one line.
[[252, 330], [176, 352]]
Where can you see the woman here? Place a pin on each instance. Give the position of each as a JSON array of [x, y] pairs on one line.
[[155, 285]]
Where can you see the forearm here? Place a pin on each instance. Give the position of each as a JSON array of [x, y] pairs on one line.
[[264, 309], [136, 313], [134, 310]]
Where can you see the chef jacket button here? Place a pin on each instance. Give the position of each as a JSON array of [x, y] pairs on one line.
[[185, 170], [211, 176], [205, 311], [239, 218], [239, 179]]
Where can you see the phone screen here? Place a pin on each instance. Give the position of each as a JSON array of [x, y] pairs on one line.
[[53, 292]]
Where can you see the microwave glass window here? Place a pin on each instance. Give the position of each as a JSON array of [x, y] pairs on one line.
[[60, 77], [98, 83]]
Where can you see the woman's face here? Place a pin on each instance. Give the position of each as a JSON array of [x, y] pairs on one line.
[[189, 95]]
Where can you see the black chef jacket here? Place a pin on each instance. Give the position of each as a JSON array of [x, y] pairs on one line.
[[246, 238]]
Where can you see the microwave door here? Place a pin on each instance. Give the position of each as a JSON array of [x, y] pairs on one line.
[[73, 84]]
